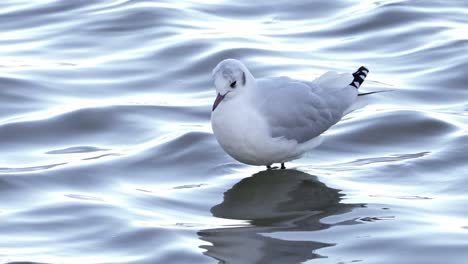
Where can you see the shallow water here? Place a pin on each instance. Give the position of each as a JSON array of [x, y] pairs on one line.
[[107, 154]]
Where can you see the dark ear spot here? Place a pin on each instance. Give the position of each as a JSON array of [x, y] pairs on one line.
[[243, 78], [233, 84]]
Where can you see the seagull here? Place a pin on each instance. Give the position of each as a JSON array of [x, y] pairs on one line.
[[277, 119]]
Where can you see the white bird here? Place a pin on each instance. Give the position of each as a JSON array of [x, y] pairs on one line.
[[277, 119]]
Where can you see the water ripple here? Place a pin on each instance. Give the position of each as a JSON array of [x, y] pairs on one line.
[[107, 155]]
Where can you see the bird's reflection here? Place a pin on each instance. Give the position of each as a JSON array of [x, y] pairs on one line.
[[273, 201]]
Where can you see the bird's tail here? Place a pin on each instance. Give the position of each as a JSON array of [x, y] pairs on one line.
[[359, 77]]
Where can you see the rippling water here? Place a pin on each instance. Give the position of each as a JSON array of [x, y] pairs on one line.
[[107, 154]]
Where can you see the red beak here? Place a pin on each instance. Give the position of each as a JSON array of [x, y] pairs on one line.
[[218, 100]]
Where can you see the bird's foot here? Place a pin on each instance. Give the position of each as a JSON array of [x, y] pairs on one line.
[[282, 166], [269, 167]]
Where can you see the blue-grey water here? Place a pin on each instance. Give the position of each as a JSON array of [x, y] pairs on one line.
[[107, 154]]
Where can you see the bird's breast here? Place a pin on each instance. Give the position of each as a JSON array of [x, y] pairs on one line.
[[240, 131]]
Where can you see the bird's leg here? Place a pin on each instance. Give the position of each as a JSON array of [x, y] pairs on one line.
[[282, 166]]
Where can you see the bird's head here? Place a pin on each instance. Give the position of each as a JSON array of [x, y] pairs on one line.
[[230, 77]]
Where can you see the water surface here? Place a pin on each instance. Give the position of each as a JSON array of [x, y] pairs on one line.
[[107, 154]]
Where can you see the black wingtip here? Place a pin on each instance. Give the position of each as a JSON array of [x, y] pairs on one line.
[[359, 77], [363, 68]]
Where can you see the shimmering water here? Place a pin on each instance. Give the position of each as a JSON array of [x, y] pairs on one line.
[[107, 154]]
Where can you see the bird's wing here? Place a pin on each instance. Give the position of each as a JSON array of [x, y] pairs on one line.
[[333, 80], [303, 110]]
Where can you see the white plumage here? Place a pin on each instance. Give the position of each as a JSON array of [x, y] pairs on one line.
[[275, 120]]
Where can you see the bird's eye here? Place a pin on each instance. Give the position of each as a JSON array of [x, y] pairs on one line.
[[233, 84]]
